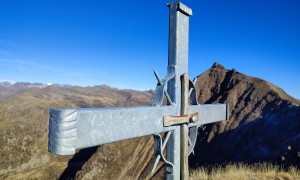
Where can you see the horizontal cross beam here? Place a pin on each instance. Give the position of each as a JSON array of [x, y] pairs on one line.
[[72, 129]]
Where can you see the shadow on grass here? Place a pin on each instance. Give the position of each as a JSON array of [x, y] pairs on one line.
[[76, 163]]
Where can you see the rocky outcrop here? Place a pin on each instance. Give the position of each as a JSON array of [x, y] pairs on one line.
[[264, 124]]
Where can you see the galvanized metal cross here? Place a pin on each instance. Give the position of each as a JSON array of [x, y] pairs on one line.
[[72, 129]]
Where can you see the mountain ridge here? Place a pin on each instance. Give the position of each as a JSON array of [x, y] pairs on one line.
[[8, 89], [254, 104], [264, 125]]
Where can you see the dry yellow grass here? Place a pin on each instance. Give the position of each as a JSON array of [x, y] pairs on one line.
[[246, 172]]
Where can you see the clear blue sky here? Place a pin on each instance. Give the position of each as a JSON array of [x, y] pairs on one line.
[[119, 42]]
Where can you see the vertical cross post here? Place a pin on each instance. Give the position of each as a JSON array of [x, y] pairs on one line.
[[178, 46], [178, 63], [184, 129]]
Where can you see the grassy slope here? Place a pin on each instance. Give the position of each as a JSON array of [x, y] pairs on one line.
[[24, 121], [245, 172], [23, 137]]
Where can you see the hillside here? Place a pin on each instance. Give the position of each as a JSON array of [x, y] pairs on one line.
[[264, 126], [24, 119]]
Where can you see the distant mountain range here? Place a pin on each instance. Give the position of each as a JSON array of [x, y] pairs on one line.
[[8, 89], [25, 85], [264, 126]]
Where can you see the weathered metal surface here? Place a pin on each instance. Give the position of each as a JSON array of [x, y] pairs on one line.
[[72, 129], [178, 49], [62, 131], [208, 113], [177, 63], [106, 125]]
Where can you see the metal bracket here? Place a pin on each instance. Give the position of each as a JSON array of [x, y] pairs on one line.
[[192, 130], [192, 138], [159, 147], [193, 93], [176, 120], [160, 92], [161, 89]]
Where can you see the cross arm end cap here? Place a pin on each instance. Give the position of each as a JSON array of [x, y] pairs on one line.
[[182, 8]]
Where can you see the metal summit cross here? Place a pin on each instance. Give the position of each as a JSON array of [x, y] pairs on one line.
[[72, 129]]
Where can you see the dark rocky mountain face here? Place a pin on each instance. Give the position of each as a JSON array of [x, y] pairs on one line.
[[264, 124]]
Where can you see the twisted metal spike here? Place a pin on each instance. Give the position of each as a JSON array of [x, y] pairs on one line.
[[190, 143], [155, 163], [157, 77], [163, 147], [194, 80], [160, 82], [168, 98], [192, 139], [192, 92]]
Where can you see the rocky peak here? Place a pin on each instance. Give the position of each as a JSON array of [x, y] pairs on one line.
[[218, 65], [260, 113]]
